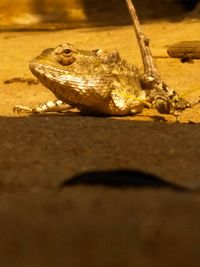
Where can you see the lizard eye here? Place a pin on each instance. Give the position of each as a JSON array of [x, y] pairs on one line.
[[65, 54], [66, 57]]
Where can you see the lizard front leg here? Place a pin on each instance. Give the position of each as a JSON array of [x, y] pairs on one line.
[[50, 106]]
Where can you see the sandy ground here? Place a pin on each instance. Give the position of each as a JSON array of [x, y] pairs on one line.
[[43, 225]]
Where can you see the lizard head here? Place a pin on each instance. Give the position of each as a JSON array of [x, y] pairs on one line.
[[66, 58], [66, 68]]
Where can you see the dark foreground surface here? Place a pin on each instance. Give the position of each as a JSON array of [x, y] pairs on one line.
[[44, 222]]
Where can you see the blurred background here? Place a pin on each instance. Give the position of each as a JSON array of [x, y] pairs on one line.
[[75, 13]]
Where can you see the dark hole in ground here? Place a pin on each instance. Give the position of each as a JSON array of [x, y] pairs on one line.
[[118, 178]]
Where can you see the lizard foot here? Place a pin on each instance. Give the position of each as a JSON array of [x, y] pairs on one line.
[[51, 106]]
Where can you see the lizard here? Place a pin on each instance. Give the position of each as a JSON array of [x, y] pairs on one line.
[[102, 83]]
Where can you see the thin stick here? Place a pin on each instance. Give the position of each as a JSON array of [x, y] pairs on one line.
[[150, 67]]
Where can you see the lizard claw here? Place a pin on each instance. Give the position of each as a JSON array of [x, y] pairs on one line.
[[21, 108]]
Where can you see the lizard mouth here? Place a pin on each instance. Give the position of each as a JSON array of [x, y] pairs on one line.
[[42, 68], [48, 70], [51, 73]]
